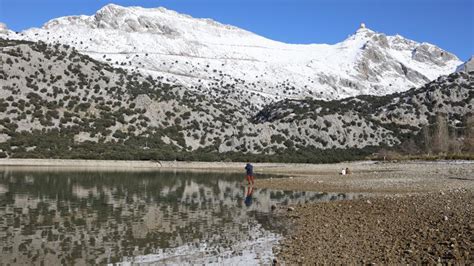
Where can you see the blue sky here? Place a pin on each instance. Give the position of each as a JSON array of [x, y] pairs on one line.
[[446, 23]]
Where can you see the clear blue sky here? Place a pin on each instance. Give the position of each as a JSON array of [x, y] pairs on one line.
[[446, 23]]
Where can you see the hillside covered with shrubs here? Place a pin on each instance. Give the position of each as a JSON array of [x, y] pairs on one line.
[[58, 103]]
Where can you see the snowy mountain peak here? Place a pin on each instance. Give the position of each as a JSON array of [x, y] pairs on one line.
[[4, 29], [363, 29], [115, 9], [111, 8], [363, 37], [207, 56], [138, 19], [364, 32]]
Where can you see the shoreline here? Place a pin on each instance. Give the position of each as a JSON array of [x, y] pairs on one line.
[[135, 163], [366, 176], [296, 168]]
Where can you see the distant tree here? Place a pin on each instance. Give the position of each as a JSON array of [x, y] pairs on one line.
[[441, 134], [425, 132], [468, 144]]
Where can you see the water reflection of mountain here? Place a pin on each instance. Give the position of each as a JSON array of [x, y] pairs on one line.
[[100, 217]]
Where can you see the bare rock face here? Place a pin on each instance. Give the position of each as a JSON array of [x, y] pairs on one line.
[[467, 66], [108, 17], [430, 53], [124, 19]]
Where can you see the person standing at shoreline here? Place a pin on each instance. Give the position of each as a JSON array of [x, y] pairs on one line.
[[250, 177]]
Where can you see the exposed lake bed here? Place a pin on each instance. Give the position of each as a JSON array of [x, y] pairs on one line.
[[426, 228], [412, 212], [109, 215]]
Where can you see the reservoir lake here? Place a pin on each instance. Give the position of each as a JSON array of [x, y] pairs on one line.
[[51, 216]]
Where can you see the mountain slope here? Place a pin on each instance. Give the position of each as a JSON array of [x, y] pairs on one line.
[[56, 102], [207, 56], [467, 66], [54, 92], [401, 117]]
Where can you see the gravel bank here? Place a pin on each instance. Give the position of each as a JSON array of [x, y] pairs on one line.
[[416, 212], [390, 178], [427, 228]]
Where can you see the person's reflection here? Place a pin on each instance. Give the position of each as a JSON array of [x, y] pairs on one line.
[[248, 196]]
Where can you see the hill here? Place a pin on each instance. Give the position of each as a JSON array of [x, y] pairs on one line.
[[58, 103]]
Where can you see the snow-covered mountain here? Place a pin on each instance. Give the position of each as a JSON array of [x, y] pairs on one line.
[[56, 102], [207, 56], [4, 30]]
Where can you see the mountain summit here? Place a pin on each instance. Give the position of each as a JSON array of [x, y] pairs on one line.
[[4, 29], [209, 57], [136, 19]]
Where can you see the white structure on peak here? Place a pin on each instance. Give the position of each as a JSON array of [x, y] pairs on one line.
[[362, 25]]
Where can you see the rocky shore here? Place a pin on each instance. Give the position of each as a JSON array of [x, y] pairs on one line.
[[426, 228], [413, 212], [378, 178]]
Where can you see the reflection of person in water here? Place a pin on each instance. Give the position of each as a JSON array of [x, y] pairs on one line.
[[248, 196]]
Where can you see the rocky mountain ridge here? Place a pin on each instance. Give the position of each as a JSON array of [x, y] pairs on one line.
[[208, 57]]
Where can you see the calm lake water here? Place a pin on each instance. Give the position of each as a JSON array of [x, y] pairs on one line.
[[52, 217]]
